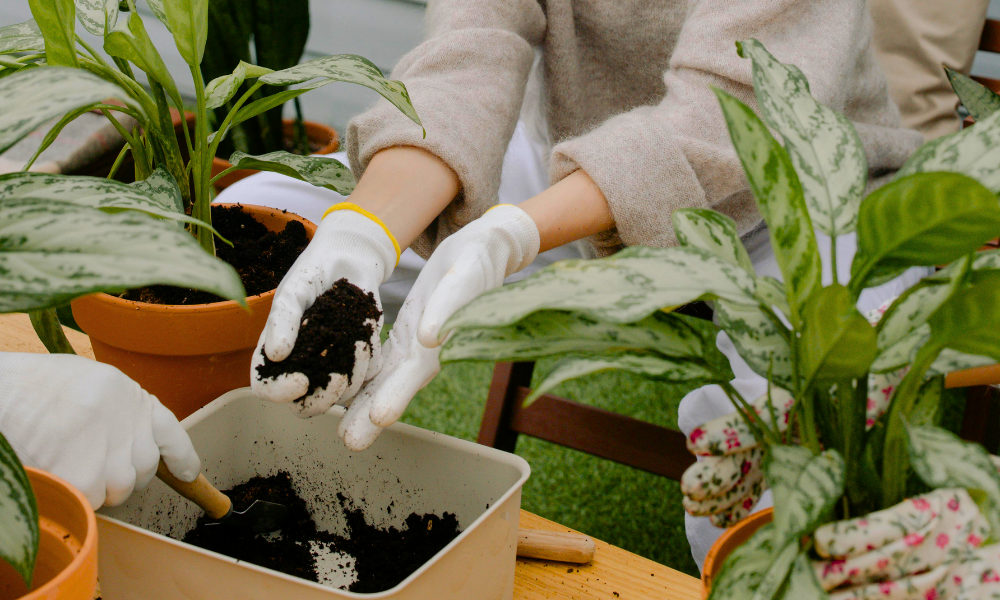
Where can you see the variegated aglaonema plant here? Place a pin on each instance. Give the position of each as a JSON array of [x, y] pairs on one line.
[[49, 72], [807, 338]]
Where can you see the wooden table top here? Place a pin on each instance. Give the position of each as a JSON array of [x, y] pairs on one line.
[[614, 573]]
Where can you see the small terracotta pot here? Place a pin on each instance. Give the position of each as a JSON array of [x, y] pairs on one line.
[[733, 538], [186, 356], [319, 134], [66, 568]]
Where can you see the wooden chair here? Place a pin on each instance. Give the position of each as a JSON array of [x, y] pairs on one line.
[[989, 42]]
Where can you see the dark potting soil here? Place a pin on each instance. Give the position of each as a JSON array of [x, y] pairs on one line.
[[261, 258], [329, 329], [382, 557]]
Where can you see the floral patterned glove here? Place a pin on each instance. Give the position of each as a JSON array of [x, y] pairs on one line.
[[926, 547], [727, 482]]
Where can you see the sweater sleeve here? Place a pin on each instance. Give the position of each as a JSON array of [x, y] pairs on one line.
[[466, 81], [653, 160]]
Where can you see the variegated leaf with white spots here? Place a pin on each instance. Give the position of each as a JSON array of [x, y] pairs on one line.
[[653, 366], [802, 582], [320, 171], [130, 41], [979, 100], [52, 252], [349, 68], [156, 6], [942, 460], [221, 89], [758, 340], [822, 143], [712, 231], [21, 37], [623, 288], [779, 198], [97, 16], [31, 97], [746, 566], [549, 333], [805, 487], [19, 532], [974, 151]]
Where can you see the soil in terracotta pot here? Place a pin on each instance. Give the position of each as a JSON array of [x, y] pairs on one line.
[[329, 330], [261, 258], [382, 557]]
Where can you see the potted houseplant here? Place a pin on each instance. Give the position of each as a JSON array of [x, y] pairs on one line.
[[185, 355], [57, 560], [276, 33], [826, 453]]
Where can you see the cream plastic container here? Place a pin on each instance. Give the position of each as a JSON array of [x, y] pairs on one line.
[[406, 470]]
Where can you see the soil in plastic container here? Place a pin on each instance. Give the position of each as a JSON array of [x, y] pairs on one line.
[[261, 258], [379, 557], [341, 317]]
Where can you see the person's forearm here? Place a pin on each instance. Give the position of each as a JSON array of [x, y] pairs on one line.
[[407, 188], [570, 210]]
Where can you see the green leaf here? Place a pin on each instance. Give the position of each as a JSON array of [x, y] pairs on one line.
[[758, 340], [32, 97], [349, 68], [779, 198], [53, 252], [942, 460], [131, 42], [57, 21], [18, 515], [771, 293], [891, 239], [317, 170], [747, 565], [549, 333], [773, 579], [265, 104], [824, 147], [974, 151], [805, 488], [280, 31], [221, 89], [21, 37], [969, 321], [979, 100], [97, 16], [837, 342], [653, 366], [156, 6], [926, 410], [802, 582], [187, 20], [158, 195], [712, 231], [623, 288]]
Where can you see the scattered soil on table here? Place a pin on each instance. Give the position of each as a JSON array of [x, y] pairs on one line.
[[329, 330], [382, 557], [261, 258]]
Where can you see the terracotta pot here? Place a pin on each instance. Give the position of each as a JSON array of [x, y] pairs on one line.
[[732, 539], [319, 134], [186, 356], [66, 568]]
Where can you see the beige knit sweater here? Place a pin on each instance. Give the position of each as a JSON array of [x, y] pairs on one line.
[[627, 89]]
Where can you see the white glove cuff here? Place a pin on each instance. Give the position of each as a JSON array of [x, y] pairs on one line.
[[519, 231]]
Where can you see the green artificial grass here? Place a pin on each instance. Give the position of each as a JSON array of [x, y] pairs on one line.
[[620, 505]]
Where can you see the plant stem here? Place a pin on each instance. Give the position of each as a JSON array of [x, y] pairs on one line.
[[50, 331], [833, 259], [301, 140], [201, 207], [170, 146], [93, 53], [221, 132], [808, 429]]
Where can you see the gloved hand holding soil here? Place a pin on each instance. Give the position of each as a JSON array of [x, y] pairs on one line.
[[321, 340]]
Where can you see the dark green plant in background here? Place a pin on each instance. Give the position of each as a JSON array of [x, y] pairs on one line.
[[267, 33]]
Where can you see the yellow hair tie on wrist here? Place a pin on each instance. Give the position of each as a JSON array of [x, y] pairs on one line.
[[354, 207], [497, 206]]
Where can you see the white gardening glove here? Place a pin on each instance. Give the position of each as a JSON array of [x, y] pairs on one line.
[[473, 260], [927, 547], [90, 424], [350, 245]]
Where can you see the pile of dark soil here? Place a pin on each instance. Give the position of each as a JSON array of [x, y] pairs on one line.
[[329, 330], [383, 557], [261, 258]]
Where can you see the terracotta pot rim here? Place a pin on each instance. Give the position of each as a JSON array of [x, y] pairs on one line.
[[710, 569], [211, 306], [87, 547]]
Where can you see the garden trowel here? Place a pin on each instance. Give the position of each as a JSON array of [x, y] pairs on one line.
[[260, 517]]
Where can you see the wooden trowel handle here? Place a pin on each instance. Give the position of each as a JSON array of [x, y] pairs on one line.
[[553, 545], [200, 491]]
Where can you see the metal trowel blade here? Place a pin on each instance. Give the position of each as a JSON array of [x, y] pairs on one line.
[[261, 517]]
